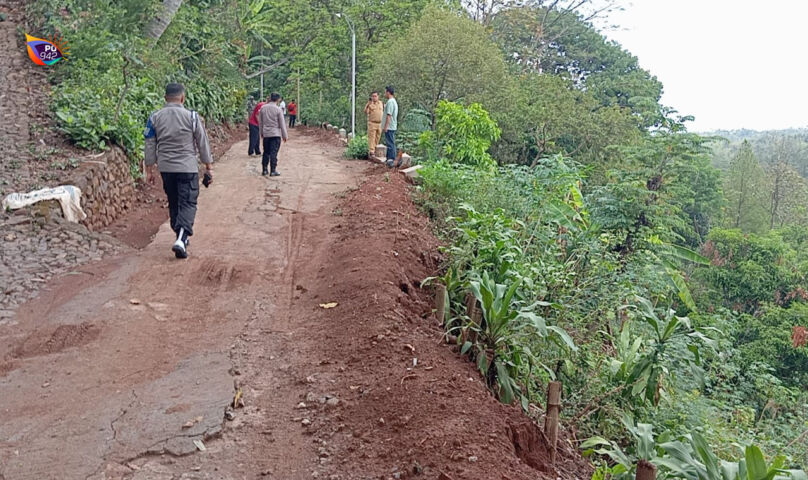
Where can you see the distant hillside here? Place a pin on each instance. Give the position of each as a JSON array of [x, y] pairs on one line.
[[770, 147]]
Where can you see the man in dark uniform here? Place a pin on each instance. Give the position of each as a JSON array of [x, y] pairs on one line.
[[175, 136]]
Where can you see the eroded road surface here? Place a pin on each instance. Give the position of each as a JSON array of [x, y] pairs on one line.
[[135, 358]]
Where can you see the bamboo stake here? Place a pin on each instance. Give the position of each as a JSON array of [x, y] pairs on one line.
[[440, 303], [551, 421], [473, 313]]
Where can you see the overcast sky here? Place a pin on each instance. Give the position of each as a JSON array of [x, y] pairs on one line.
[[730, 63]]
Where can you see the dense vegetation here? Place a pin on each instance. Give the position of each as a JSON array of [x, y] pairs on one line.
[[603, 246]]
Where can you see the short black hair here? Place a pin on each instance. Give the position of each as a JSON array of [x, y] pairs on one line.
[[274, 97], [390, 89], [174, 90]]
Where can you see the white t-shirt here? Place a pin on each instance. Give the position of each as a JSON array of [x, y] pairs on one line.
[[283, 106]]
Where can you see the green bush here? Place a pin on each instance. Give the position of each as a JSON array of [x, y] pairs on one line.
[[115, 79], [357, 148], [462, 134]]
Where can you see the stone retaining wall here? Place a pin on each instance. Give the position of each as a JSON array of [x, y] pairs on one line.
[[107, 188]]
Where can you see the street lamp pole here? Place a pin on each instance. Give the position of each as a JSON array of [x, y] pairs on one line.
[[353, 72]]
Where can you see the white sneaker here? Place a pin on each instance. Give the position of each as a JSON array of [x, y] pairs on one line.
[[179, 249]]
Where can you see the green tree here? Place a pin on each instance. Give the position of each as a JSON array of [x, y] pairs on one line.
[[443, 56], [544, 115], [745, 186], [564, 43], [788, 194], [749, 269], [766, 339]]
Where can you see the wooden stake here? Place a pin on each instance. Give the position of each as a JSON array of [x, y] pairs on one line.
[[473, 313], [551, 420], [471, 304], [646, 470], [440, 303]]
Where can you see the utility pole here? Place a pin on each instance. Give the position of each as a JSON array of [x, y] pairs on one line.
[[261, 98], [353, 72]]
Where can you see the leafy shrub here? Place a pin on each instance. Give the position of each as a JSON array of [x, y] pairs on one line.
[[115, 79], [357, 147], [462, 134]]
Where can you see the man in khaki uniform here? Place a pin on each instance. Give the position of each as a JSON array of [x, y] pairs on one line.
[[374, 110]]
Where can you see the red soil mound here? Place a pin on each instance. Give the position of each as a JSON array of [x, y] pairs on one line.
[[400, 417]]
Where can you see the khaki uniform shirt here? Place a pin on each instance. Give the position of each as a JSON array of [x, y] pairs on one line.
[[375, 112]]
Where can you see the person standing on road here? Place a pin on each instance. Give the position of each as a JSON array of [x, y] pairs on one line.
[[273, 129], [390, 124], [175, 140], [292, 109], [255, 135], [374, 109], [282, 105]]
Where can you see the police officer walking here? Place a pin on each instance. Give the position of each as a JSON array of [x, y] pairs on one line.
[[174, 138]]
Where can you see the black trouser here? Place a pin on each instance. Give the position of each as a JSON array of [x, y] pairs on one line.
[[272, 146], [182, 190], [255, 140], [292, 119]]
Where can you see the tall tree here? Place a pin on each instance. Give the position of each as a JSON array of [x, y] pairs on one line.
[[561, 42], [746, 191], [787, 197], [545, 114], [484, 11], [162, 18], [443, 56]]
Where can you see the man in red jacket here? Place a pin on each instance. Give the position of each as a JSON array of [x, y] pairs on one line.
[[292, 109], [255, 134]]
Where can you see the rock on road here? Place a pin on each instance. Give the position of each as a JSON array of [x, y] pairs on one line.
[[136, 357]]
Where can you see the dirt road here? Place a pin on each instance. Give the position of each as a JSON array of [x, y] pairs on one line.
[[137, 356], [124, 370]]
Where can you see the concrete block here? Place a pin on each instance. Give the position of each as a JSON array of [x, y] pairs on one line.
[[406, 160], [381, 151], [411, 172], [343, 133]]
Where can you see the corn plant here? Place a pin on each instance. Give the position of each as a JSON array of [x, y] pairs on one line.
[[688, 458], [501, 341], [642, 363]]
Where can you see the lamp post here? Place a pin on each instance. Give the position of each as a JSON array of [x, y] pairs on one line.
[[353, 72]]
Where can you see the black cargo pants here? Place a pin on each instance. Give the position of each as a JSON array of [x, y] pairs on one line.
[[182, 190]]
